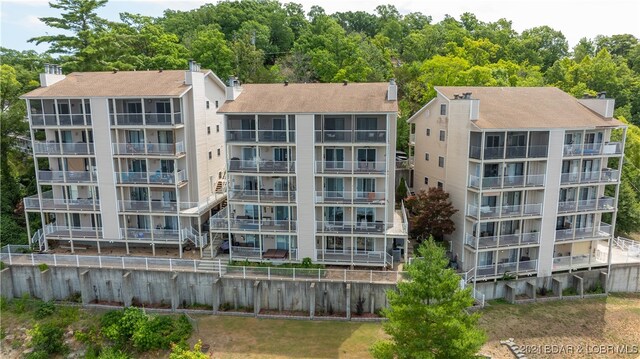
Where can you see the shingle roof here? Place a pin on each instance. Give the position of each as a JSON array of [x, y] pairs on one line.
[[119, 84], [529, 107], [312, 98]]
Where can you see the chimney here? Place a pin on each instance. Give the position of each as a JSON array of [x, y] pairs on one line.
[[233, 88], [52, 74], [286, 83], [392, 91], [192, 64], [600, 104]]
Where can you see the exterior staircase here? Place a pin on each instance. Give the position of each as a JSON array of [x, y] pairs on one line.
[[215, 266]]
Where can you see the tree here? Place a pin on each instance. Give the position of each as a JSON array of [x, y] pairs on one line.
[[78, 17], [401, 190], [427, 313], [430, 214], [178, 352]]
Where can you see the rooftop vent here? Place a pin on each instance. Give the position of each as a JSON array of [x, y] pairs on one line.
[[602, 95], [286, 83], [344, 83]]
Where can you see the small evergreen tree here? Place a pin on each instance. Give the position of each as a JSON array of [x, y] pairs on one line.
[[427, 313], [401, 190]]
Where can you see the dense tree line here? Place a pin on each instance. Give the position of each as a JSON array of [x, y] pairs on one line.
[[266, 41]]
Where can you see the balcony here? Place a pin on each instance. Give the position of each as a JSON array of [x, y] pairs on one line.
[[67, 176], [279, 136], [49, 203], [155, 205], [491, 153], [152, 149], [569, 234], [253, 166], [503, 240], [148, 119], [262, 196], [64, 120], [574, 262], [347, 197], [605, 175], [493, 270], [66, 232], [57, 148], [352, 227], [350, 167], [156, 177], [593, 149], [356, 257], [351, 136], [506, 181], [412, 138], [151, 235]]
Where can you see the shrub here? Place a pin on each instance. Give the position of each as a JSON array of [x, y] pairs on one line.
[[21, 304], [112, 353], [38, 354], [48, 338], [2, 265], [569, 291], [306, 262], [43, 267], [596, 289], [44, 310]]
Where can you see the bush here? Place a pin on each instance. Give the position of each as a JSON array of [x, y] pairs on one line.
[[596, 289], [569, 291], [48, 338], [113, 353], [43, 267], [2, 265], [44, 310], [38, 354]]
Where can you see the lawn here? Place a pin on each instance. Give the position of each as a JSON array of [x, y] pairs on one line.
[[603, 321]]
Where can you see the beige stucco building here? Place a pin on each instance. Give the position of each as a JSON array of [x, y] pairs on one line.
[[131, 159], [311, 174], [534, 173]]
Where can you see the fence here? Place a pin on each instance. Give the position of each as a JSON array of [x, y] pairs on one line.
[[9, 256]]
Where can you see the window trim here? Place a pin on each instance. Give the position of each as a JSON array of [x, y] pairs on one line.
[[443, 109], [441, 162], [426, 156], [443, 135]]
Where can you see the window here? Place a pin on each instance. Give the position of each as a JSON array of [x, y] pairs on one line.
[[443, 109], [216, 104], [426, 180], [217, 128], [210, 155], [208, 130], [440, 185], [218, 152], [442, 135], [207, 105], [428, 132], [426, 157], [440, 161]]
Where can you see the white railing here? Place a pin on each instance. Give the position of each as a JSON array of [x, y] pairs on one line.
[[136, 119], [148, 206], [255, 166], [169, 149], [351, 166], [155, 235], [354, 256], [412, 138], [350, 197], [56, 148], [67, 176], [355, 227], [502, 240], [262, 195], [156, 177], [630, 250], [62, 231], [602, 231]]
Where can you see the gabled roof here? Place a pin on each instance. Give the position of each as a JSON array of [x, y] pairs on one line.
[[528, 107], [312, 98], [168, 83]]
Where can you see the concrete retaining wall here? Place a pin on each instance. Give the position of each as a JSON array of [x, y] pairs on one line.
[[173, 290]]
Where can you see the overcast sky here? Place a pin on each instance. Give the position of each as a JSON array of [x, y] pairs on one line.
[[575, 18]]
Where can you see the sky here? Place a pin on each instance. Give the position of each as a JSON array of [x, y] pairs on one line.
[[574, 18]]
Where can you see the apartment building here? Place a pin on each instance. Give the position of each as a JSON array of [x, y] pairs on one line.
[[311, 174], [534, 173], [131, 159]]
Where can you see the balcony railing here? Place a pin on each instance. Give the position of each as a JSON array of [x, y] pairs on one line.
[[353, 256], [49, 203], [593, 149], [349, 136], [57, 148], [503, 240], [62, 231], [500, 269], [346, 167], [155, 205], [139, 119], [576, 261], [282, 136], [267, 196], [60, 120], [602, 231], [151, 235], [151, 177], [67, 176], [350, 197], [253, 166], [352, 227], [490, 153], [605, 175], [412, 138], [507, 181], [156, 149]]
